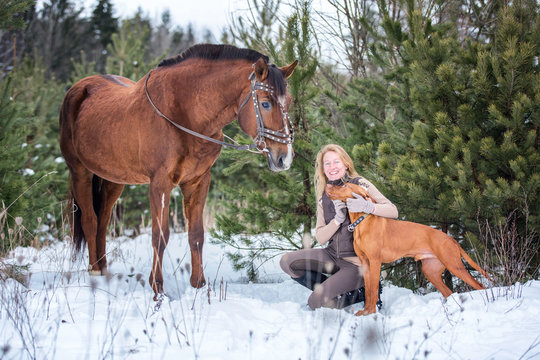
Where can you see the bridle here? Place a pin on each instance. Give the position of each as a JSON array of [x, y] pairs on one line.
[[284, 136]]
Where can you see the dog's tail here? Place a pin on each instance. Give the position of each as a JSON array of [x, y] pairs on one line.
[[474, 265]]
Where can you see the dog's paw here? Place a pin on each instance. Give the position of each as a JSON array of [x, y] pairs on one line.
[[365, 312]]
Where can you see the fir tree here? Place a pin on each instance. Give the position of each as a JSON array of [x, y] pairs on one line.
[[11, 11], [102, 26], [266, 213], [102, 23], [13, 154], [38, 100], [471, 149], [128, 51], [23, 192]]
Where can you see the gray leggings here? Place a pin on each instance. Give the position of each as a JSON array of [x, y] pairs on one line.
[[345, 276]]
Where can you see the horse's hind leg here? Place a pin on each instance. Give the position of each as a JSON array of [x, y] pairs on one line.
[[433, 269], [82, 192], [110, 192]]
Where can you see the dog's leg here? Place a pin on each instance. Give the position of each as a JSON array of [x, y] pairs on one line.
[[456, 267], [433, 270], [449, 253], [371, 279]]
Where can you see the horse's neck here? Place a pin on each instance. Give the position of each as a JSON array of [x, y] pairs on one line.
[[210, 102]]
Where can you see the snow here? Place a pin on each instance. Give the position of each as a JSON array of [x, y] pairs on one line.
[[64, 313]]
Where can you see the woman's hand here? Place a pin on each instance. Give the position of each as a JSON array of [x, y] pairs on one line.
[[359, 204], [341, 211]]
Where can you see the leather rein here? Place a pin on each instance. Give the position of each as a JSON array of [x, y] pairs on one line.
[[284, 136]]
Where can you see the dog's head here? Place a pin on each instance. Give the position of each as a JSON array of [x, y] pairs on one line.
[[336, 192]]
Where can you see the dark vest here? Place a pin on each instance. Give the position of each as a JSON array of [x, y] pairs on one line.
[[341, 243]]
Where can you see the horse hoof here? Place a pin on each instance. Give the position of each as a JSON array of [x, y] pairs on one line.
[[197, 282], [94, 272]]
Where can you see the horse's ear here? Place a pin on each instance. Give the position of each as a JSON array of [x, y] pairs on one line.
[[261, 70], [289, 69]]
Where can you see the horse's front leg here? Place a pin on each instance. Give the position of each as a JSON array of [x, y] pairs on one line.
[[194, 200], [160, 193]]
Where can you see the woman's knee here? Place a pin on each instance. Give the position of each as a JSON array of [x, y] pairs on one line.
[[285, 263], [320, 298]]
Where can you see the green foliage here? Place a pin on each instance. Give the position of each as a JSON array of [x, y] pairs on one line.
[[11, 11], [127, 49], [103, 23], [441, 112], [12, 154], [470, 151], [23, 188], [39, 100], [279, 205]]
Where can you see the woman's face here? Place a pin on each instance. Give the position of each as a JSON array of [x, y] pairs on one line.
[[333, 166]]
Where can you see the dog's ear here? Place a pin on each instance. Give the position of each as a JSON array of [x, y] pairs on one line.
[[361, 191]]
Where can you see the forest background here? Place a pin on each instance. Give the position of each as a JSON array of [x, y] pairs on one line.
[[436, 101]]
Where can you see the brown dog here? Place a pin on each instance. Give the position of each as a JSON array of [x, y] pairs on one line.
[[379, 240]]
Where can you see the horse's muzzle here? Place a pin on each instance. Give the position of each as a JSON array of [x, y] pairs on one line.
[[280, 160]]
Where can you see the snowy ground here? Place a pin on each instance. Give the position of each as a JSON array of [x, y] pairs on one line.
[[65, 314]]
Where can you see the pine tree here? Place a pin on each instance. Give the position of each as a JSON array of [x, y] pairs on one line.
[[11, 11], [56, 34], [129, 52], [24, 199], [38, 100], [13, 154], [266, 213], [12, 19], [102, 26], [127, 49], [471, 149], [102, 23]]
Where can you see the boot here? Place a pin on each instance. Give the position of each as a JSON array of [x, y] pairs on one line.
[[310, 279], [356, 296]]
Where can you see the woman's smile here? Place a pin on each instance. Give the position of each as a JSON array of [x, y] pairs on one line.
[[334, 169]]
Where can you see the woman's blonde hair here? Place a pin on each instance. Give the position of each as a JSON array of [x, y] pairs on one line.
[[320, 177]]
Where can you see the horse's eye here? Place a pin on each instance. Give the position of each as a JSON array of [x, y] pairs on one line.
[[266, 105]]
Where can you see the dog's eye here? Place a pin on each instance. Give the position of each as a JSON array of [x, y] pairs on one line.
[[266, 105]]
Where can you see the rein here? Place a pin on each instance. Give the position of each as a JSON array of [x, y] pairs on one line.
[[283, 136], [352, 226]]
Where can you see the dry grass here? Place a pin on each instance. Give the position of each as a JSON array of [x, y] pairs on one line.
[[510, 254]]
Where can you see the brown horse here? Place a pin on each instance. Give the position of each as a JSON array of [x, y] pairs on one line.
[[166, 130]]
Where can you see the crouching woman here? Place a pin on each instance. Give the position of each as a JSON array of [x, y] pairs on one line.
[[333, 272]]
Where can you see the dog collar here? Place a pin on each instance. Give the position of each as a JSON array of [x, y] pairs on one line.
[[352, 226]]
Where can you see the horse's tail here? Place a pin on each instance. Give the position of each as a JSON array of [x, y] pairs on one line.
[[68, 114], [75, 218], [474, 265], [75, 223]]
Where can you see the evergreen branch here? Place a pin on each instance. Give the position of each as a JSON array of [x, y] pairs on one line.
[[27, 189]]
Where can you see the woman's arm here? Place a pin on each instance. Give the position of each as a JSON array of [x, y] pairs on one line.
[[382, 207], [324, 231]]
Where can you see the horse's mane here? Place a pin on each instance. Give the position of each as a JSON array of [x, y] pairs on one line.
[[228, 52]]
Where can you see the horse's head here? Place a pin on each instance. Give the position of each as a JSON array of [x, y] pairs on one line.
[[267, 120]]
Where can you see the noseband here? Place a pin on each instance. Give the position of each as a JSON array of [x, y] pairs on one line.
[[282, 136]]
